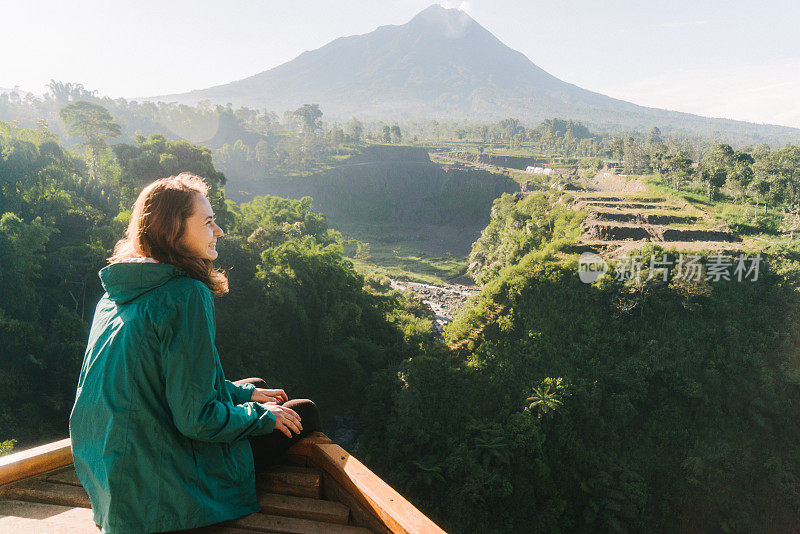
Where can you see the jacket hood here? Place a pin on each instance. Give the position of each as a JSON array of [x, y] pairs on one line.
[[125, 281]]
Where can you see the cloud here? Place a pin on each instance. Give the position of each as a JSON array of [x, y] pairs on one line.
[[463, 6]]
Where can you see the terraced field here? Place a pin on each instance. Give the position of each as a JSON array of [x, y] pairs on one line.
[[620, 223]]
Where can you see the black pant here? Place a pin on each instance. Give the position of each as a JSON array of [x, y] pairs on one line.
[[267, 447]]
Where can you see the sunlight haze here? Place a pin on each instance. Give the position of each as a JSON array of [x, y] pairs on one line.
[[724, 59]]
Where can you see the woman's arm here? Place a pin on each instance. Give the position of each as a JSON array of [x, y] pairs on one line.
[[193, 376], [245, 390], [240, 393]]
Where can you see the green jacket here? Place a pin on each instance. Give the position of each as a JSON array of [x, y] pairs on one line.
[[158, 434]]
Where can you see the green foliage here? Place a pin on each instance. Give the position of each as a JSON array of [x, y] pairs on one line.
[[519, 226], [546, 398], [90, 121], [270, 221], [7, 446], [53, 236], [297, 314], [658, 406], [680, 410], [155, 157], [93, 123], [308, 115], [676, 396], [22, 247]]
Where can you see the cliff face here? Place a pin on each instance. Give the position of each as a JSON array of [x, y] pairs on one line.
[[387, 154], [394, 186], [512, 162], [410, 193]]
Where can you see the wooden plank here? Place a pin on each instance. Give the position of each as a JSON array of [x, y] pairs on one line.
[[46, 492], [304, 508], [18, 517], [37, 518], [303, 447], [399, 515], [65, 476], [292, 459], [292, 525], [37, 460], [214, 529], [359, 515], [290, 480]]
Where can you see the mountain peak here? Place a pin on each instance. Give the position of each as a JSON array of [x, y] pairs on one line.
[[449, 21], [441, 64]]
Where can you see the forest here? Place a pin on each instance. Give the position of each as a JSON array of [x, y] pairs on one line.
[[548, 405]]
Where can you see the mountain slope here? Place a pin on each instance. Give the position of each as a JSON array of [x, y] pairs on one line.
[[442, 64]]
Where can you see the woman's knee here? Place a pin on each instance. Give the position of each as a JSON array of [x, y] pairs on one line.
[[301, 405], [308, 412]]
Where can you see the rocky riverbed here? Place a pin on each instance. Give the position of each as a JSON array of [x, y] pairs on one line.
[[445, 300]]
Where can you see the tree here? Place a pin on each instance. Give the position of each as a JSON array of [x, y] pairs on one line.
[[634, 158], [386, 134], [655, 136], [395, 134], [715, 167], [678, 167], [616, 148], [544, 401], [308, 116], [656, 149], [741, 173], [336, 135], [483, 130], [155, 157], [791, 221], [509, 128], [94, 124], [68, 92], [761, 189], [355, 130]]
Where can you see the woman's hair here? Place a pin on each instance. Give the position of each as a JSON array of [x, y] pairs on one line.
[[158, 221]]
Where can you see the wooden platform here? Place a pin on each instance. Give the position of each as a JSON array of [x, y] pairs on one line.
[[316, 487]]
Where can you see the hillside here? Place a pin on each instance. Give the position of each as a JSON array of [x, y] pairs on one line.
[[619, 222], [639, 404]]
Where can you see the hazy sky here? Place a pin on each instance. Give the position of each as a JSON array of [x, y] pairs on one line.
[[737, 59]]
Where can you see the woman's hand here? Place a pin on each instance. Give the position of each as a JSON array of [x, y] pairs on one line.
[[286, 419], [269, 396]]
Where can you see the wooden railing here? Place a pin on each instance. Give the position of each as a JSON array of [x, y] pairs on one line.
[[30, 462], [389, 511]]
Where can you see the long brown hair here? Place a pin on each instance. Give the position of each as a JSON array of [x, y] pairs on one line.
[[158, 221]]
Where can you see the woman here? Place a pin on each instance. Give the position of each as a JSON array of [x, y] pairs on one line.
[[158, 434]]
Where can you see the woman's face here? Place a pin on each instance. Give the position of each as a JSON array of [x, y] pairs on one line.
[[201, 232]]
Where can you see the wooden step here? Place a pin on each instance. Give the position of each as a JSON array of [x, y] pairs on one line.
[[290, 525], [290, 480], [292, 459], [39, 518], [213, 529], [304, 508], [43, 491]]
